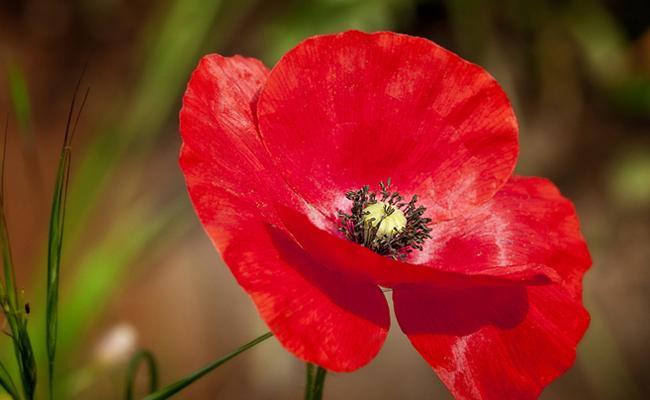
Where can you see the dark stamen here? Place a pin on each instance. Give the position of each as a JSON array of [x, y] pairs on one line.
[[356, 227]]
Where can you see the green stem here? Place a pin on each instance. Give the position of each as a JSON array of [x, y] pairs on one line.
[[315, 382], [309, 384], [319, 383], [177, 386]]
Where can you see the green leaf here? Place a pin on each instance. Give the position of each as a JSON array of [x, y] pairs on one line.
[[7, 383], [8, 290], [55, 237], [140, 356], [177, 386], [24, 353], [9, 297]]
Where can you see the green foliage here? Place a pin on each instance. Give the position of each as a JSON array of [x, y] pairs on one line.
[[170, 49], [55, 237], [8, 292], [629, 179], [632, 95], [7, 383], [102, 272], [171, 45], [152, 368], [19, 95], [10, 305], [19, 98], [181, 384], [304, 19]]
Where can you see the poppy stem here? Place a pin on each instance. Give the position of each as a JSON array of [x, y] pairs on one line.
[[309, 383], [315, 382]]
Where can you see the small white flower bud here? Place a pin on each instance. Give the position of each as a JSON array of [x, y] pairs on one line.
[[117, 345]]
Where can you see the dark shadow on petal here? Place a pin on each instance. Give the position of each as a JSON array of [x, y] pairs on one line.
[[459, 310], [358, 297]]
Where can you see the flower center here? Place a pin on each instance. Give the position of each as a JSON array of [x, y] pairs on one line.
[[384, 222], [386, 219]]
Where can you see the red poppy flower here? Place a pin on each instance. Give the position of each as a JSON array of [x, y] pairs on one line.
[[283, 168]]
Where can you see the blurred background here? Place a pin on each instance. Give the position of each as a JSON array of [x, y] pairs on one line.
[[139, 272]]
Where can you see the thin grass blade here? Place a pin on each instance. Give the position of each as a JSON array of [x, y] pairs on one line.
[[143, 116], [9, 288], [7, 383], [55, 241], [102, 272], [55, 237], [25, 354], [176, 387], [152, 367], [168, 57], [9, 300]]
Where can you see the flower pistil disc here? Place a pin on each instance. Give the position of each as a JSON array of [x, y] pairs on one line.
[[386, 219], [384, 222]]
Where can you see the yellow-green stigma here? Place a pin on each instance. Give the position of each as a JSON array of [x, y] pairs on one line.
[[384, 223], [387, 219]]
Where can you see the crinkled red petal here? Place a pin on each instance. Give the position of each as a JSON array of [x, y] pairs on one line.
[[318, 315], [527, 222], [352, 259], [493, 343], [352, 109]]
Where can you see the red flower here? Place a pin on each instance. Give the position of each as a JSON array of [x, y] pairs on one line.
[[485, 268]]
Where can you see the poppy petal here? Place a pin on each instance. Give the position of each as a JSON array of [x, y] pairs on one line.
[[493, 342], [358, 261], [352, 109], [527, 222], [217, 118], [217, 123], [337, 323], [317, 314]]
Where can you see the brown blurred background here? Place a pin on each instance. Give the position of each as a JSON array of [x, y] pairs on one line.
[[138, 270]]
